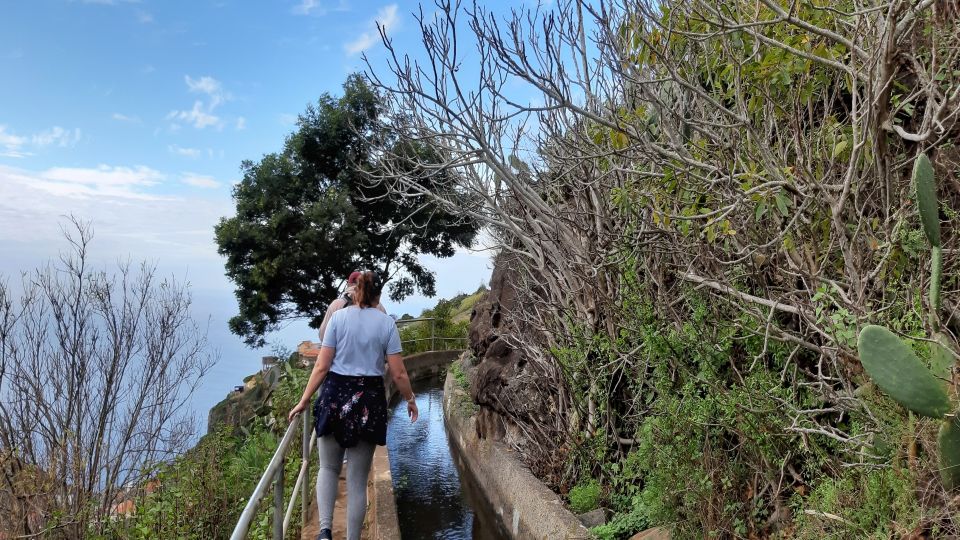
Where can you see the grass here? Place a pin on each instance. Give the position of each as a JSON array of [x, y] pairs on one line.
[[465, 403]]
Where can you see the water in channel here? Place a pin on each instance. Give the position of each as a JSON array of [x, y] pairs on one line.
[[435, 499]]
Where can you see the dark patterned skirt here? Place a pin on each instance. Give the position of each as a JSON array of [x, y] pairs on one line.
[[352, 409]]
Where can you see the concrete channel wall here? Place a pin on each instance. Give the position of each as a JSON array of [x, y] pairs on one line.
[[383, 523], [527, 507]]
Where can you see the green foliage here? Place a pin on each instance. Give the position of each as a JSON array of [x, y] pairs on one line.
[[465, 403], [862, 503], [707, 426], [308, 216], [456, 369], [448, 329], [897, 371], [200, 494], [585, 497], [623, 526]]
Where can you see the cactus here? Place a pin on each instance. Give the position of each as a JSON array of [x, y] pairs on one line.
[[898, 372], [941, 359], [930, 218], [892, 364], [949, 440], [927, 199]]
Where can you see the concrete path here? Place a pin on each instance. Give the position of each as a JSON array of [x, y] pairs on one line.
[[381, 518], [312, 529]]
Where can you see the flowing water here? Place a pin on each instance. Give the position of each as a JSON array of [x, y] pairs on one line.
[[435, 499]]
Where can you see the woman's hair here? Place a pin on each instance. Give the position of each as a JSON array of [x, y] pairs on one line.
[[368, 289]]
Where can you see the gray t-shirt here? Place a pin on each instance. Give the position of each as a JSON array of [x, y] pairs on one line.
[[362, 339]]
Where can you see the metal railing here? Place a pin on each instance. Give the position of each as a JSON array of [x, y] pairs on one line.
[[274, 475], [433, 339]]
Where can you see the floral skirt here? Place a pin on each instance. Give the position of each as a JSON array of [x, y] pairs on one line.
[[352, 409]]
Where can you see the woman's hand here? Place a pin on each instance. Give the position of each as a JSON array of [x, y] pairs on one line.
[[297, 409], [412, 410]]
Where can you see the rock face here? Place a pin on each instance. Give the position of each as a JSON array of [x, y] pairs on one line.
[[503, 380], [238, 408]]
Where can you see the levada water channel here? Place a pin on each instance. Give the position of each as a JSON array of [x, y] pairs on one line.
[[435, 498]]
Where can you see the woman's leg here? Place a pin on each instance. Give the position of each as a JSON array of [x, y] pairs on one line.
[[328, 476], [358, 469]]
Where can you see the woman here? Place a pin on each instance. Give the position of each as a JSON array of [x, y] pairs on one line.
[[351, 412]]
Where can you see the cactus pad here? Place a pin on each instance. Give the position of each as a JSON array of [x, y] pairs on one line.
[[949, 440], [927, 198], [900, 374]]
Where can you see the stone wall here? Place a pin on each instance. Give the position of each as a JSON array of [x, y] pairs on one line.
[[526, 506]]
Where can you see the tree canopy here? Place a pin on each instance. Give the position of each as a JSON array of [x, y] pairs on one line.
[[309, 215]]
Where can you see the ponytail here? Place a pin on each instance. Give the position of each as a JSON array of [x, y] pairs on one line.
[[368, 289]]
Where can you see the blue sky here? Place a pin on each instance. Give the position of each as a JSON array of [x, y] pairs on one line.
[[135, 115]]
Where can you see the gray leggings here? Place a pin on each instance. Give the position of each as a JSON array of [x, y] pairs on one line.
[[358, 469]]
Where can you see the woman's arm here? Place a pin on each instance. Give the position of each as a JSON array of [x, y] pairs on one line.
[[334, 306], [398, 372], [320, 369]]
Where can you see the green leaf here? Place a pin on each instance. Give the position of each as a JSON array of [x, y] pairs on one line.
[[760, 211], [781, 201], [840, 147], [897, 371]]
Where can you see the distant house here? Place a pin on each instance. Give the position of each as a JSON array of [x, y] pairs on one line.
[[308, 351]]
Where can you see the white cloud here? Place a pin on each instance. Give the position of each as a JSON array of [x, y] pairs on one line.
[[287, 119], [199, 180], [33, 203], [186, 152], [64, 138], [201, 115], [305, 7], [387, 18], [314, 7], [206, 85], [11, 145], [198, 117], [241, 124], [124, 118], [102, 181]]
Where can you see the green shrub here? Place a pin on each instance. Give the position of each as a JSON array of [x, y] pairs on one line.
[[447, 333], [623, 526], [465, 404], [877, 503], [585, 496]]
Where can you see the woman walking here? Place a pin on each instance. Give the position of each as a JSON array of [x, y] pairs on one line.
[[351, 411]]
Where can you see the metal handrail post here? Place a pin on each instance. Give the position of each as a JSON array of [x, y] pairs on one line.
[[263, 485], [278, 504], [305, 456], [433, 333]]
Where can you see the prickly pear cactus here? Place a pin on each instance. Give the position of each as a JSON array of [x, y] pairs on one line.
[[927, 198], [899, 373], [949, 440], [892, 364]]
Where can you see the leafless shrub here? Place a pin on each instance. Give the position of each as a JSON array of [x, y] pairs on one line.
[[96, 372]]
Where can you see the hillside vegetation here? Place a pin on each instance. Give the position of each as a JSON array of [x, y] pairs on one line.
[[701, 209]]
